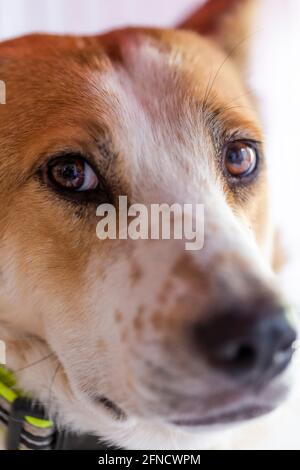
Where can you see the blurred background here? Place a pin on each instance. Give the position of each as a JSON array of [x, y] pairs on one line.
[[274, 74]]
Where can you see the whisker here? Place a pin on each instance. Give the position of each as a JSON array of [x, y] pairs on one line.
[[250, 92], [206, 92], [32, 364], [228, 108], [228, 56], [52, 383]]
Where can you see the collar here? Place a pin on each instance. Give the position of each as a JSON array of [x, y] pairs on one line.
[[27, 426]]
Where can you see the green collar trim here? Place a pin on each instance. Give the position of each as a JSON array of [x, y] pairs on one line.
[[8, 389], [9, 392], [23, 421]]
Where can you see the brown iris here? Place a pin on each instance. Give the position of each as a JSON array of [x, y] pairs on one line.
[[68, 173], [240, 158]]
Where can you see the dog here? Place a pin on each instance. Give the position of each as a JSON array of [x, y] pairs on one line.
[[140, 342]]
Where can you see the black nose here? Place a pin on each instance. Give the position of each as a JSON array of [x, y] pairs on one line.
[[247, 346]]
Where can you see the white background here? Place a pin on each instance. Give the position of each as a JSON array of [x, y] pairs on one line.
[[274, 75]]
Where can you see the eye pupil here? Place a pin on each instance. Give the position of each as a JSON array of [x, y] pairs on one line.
[[68, 174], [236, 157]]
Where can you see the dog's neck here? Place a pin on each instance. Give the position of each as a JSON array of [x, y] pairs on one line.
[[39, 373]]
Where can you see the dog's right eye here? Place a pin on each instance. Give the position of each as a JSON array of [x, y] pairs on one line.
[[72, 176], [72, 173]]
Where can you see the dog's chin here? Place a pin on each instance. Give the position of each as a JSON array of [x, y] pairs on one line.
[[225, 417], [246, 408], [193, 413]]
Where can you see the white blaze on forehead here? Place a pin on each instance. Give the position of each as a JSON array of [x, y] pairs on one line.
[[162, 139], [166, 149]]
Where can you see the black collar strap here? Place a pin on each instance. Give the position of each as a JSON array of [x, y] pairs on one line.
[[27, 426]]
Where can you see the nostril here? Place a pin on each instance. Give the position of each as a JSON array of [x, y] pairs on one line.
[[250, 346], [237, 356], [246, 355]]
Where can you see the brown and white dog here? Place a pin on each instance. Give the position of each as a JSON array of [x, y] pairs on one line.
[[139, 342]]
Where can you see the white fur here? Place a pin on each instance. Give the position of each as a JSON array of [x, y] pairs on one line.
[[73, 325]]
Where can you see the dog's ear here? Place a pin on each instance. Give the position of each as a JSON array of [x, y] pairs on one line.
[[230, 23]]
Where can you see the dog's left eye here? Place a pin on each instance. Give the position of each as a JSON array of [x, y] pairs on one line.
[[240, 159], [72, 173]]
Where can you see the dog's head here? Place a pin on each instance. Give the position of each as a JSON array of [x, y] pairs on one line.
[[139, 329]]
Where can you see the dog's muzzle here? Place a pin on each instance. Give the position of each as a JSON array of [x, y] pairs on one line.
[[250, 347]]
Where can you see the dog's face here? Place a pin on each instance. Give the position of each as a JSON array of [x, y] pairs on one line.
[[138, 328]]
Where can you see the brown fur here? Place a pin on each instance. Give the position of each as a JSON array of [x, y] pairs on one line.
[[94, 305]]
